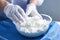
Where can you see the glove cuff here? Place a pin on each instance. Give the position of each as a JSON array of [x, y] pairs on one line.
[[29, 8], [8, 8], [40, 2]]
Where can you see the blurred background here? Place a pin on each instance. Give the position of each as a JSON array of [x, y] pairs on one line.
[[50, 7]]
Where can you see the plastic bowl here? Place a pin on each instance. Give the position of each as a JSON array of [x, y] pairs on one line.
[[46, 17]]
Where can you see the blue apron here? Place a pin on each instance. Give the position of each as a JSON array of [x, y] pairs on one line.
[[8, 29]]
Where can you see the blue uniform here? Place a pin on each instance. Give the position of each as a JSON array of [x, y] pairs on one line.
[[8, 30]]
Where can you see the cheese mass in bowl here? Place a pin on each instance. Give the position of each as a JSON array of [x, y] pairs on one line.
[[33, 25]]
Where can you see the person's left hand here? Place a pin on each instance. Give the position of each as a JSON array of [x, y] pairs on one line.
[[15, 13], [32, 11]]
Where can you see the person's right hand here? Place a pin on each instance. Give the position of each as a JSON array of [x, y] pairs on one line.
[[31, 10], [15, 13]]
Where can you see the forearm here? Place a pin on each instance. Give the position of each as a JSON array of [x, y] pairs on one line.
[[34, 2], [37, 2], [3, 3]]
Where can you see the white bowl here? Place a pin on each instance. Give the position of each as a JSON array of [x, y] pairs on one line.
[[36, 34]]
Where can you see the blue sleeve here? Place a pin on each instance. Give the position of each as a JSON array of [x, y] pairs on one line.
[[53, 33], [2, 15]]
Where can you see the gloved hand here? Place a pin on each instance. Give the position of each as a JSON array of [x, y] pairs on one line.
[[32, 11], [15, 13]]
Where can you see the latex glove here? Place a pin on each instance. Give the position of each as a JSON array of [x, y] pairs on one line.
[[15, 13], [32, 11]]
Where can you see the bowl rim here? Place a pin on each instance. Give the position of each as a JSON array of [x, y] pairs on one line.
[[48, 17]]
